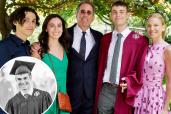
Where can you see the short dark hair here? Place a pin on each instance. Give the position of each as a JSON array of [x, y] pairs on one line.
[[120, 3], [19, 14], [86, 2]]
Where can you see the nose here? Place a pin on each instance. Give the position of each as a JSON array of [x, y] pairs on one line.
[[118, 14], [55, 28], [151, 28]]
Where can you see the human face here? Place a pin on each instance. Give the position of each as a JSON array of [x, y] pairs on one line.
[[85, 16], [26, 29], [119, 16], [24, 82], [155, 28], [54, 28]]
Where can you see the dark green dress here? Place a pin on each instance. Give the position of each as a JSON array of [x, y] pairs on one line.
[[60, 67]]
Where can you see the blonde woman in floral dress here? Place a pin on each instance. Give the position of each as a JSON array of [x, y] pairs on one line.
[[152, 98]]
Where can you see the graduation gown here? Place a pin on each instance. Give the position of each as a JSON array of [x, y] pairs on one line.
[[133, 55], [36, 103]]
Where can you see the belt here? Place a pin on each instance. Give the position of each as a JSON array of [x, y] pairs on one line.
[[110, 84]]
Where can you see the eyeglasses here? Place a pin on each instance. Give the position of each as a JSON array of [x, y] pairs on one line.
[[84, 12]]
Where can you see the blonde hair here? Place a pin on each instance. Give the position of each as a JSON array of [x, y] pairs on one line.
[[159, 16]]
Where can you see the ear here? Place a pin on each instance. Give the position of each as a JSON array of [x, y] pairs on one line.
[[93, 17], [15, 23], [110, 15], [110, 18], [163, 28], [30, 75], [128, 15]]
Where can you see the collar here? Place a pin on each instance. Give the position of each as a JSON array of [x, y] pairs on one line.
[[77, 28], [30, 92], [18, 41], [125, 32]]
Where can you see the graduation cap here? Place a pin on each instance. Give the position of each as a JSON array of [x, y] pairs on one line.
[[21, 67]]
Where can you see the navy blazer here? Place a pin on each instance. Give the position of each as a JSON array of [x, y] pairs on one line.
[[82, 74]]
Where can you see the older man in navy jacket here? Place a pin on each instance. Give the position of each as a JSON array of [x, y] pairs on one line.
[[82, 57]]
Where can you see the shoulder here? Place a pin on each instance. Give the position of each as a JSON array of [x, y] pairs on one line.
[[167, 51], [107, 35], [136, 35], [5, 42], [14, 98], [96, 32], [139, 38], [70, 29], [38, 92]]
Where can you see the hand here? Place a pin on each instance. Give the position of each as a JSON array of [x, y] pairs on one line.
[[35, 47], [123, 85]]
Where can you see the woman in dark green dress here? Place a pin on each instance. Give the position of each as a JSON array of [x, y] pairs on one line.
[[54, 44]]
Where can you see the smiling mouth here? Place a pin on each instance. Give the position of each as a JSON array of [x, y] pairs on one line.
[[30, 29]]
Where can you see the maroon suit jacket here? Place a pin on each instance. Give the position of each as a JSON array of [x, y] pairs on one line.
[[134, 51]]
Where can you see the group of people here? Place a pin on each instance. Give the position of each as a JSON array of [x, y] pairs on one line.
[[115, 73]]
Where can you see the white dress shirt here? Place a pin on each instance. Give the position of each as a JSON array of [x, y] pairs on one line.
[[30, 92], [106, 77], [90, 42]]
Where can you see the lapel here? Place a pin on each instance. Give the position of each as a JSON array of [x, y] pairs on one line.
[[93, 50], [105, 43]]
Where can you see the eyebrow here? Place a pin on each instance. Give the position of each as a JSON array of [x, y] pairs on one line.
[[27, 18]]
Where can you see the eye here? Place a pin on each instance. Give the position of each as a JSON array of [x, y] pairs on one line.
[[51, 25], [25, 78], [89, 12], [26, 20], [148, 25], [34, 21], [60, 25], [82, 11], [19, 79], [156, 25], [121, 12]]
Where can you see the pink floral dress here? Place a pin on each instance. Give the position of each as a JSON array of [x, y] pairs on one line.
[[150, 98]]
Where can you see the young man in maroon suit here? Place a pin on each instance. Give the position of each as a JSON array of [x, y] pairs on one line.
[[121, 59]]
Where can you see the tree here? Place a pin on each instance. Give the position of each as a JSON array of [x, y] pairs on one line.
[[66, 8], [41, 6]]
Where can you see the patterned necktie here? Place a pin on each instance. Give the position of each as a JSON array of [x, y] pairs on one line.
[[114, 65], [83, 46]]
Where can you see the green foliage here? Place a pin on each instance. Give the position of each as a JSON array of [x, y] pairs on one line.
[[168, 39], [140, 9], [66, 8]]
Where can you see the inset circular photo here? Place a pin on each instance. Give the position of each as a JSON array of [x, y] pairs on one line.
[[27, 86]]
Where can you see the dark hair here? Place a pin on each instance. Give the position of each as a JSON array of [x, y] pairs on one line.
[[43, 37], [86, 2], [19, 14], [120, 3]]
